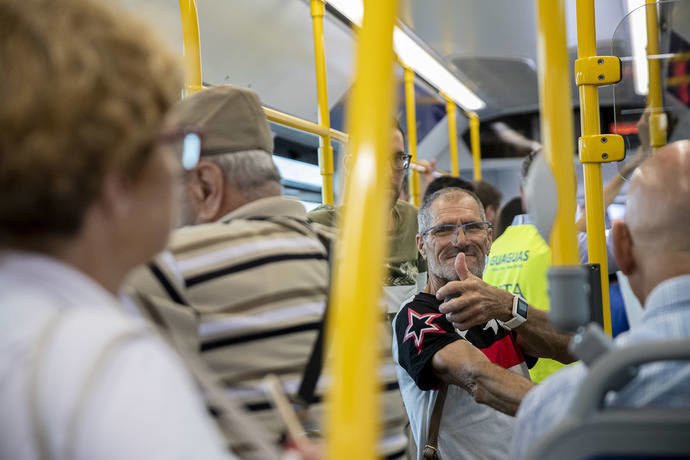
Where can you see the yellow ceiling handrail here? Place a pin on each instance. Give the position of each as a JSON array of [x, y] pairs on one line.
[[304, 125], [411, 132], [192, 51], [325, 148], [589, 119]]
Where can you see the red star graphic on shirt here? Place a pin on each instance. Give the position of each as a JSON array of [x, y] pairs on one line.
[[419, 325]]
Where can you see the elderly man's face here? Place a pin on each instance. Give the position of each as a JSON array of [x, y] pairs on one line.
[[440, 251]]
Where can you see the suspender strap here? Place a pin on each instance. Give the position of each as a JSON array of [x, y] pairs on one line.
[[312, 371], [431, 448]]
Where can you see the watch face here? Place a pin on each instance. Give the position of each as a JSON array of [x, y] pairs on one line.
[[522, 308]]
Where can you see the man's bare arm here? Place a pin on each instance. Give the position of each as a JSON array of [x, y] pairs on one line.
[[462, 364], [538, 337]]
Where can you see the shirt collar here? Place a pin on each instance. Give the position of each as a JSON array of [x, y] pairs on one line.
[[64, 283], [275, 206], [522, 219], [672, 291]]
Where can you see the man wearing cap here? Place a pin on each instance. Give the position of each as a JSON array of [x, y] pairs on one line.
[[245, 281]]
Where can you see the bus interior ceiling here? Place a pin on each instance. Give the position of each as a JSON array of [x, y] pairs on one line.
[[267, 46]]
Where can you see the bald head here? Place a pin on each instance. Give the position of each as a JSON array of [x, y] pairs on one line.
[[658, 207], [653, 244]]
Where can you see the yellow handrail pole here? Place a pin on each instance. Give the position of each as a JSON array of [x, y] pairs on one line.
[[657, 121], [411, 132], [304, 125], [353, 418], [191, 50], [325, 149], [557, 124], [452, 136], [476, 146], [589, 119]]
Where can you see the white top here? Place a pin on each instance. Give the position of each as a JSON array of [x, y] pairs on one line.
[[141, 403]]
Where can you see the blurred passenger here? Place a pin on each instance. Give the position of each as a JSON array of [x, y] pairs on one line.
[[508, 212], [248, 265], [446, 182], [404, 263], [473, 348], [490, 197], [653, 249], [87, 180]]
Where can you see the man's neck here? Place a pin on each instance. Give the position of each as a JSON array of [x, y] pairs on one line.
[[433, 284]]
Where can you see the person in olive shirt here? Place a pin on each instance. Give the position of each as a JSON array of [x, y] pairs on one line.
[[404, 263]]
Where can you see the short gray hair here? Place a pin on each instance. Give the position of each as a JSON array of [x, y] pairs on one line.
[[424, 218], [251, 172]]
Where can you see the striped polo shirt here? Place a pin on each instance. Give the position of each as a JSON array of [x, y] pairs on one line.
[[248, 292]]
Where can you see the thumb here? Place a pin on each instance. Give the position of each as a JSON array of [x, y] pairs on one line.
[[461, 267]]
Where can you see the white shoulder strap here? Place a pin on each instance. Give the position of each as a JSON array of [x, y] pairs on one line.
[[47, 334]]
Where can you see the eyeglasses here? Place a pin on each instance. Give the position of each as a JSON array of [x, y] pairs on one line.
[[469, 229], [186, 143], [401, 160]]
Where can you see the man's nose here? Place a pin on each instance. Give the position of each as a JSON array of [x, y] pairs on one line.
[[460, 238]]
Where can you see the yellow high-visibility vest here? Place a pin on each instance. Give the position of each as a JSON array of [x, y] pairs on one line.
[[518, 262]]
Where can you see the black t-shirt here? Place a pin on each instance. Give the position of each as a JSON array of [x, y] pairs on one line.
[[421, 331]]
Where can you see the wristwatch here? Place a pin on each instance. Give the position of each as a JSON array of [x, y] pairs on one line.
[[519, 313]]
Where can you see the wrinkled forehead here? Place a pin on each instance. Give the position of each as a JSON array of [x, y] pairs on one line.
[[454, 208]]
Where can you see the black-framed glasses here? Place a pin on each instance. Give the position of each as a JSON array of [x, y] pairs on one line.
[[447, 230], [186, 143], [401, 160]]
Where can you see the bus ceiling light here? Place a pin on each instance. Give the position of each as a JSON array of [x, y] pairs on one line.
[[638, 44], [415, 57]]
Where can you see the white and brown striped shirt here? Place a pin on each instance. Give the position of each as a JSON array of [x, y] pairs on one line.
[[249, 292]]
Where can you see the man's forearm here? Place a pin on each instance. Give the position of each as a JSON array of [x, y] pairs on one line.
[[538, 337], [485, 381]]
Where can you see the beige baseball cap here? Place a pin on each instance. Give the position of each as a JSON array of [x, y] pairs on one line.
[[229, 119]]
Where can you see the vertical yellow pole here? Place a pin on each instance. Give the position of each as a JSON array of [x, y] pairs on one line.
[[411, 132], [589, 119], [657, 120], [557, 124], [192, 51], [452, 136], [325, 149], [353, 425], [476, 146]]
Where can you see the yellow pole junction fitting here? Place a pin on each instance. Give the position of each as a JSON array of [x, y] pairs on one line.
[[589, 118], [452, 136], [557, 125], [411, 132], [192, 51], [325, 147], [476, 146], [657, 119], [597, 70], [356, 314], [601, 148]]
